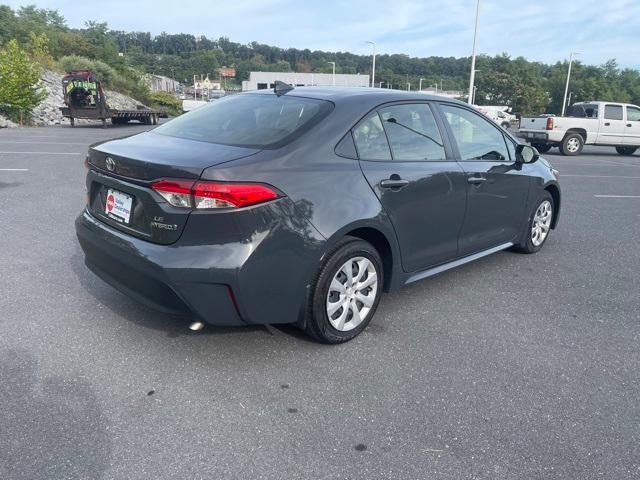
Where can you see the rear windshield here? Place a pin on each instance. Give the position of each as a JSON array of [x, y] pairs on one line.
[[249, 120]]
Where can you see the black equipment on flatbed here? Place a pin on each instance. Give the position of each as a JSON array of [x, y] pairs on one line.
[[85, 98]]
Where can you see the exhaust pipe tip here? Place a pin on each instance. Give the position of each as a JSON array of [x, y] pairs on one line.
[[196, 326]]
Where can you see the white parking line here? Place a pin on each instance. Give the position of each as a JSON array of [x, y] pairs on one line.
[[594, 176], [619, 164], [14, 169], [45, 143], [617, 196], [42, 153]]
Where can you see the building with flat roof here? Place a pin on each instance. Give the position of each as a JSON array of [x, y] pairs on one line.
[[160, 83], [265, 80]]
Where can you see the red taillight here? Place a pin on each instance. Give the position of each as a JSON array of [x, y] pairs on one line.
[[549, 123], [220, 195], [203, 194]]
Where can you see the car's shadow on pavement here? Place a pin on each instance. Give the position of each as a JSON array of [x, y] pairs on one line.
[[51, 426]]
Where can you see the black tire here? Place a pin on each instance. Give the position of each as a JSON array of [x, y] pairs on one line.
[[317, 324], [572, 144], [505, 125], [626, 150], [542, 147], [527, 245]]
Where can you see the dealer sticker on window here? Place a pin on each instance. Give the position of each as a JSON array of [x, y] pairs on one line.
[[118, 206]]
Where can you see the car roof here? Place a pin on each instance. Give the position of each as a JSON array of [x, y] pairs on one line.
[[380, 95]]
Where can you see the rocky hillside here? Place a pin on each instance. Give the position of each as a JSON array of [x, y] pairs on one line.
[[48, 112]]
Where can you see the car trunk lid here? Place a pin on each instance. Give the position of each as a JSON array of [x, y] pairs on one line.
[[121, 173]]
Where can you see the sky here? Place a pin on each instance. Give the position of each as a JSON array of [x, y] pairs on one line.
[[542, 30]]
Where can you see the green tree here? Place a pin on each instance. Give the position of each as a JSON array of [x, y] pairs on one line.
[[20, 89]]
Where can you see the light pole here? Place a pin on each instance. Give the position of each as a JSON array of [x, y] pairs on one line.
[[408, 86], [566, 88], [373, 64], [334, 72], [380, 84], [420, 84], [473, 56]]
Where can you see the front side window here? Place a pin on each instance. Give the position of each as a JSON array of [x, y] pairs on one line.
[[633, 114], [477, 139], [370, 139], [613, 112], [413, 132], [249, 120]]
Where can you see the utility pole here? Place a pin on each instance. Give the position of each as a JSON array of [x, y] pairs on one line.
[[566, 88], [373, 67], [334, 72], [473, 56]]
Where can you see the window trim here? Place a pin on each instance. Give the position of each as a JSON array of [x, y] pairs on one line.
[[499, 129], [444, 133]]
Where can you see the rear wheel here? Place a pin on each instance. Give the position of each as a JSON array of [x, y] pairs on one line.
[[572, 144], [345, 292], [505, 125], [539, 225], [626, 150], [542, 147]]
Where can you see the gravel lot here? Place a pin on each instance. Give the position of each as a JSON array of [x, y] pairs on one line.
[[513, 367]]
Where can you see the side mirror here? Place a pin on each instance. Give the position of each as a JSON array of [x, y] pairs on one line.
[[526, 154]]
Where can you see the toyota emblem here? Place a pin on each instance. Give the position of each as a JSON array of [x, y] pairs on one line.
[[110, 164]]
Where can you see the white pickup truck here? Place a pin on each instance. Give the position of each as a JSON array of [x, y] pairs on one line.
[[587, 123]]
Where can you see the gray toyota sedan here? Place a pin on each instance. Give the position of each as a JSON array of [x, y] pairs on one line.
[[303, 205]]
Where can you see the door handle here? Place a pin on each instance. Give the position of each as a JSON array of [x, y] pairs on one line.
[[394, 182], [476, 180], [607, 124], [629, 125]]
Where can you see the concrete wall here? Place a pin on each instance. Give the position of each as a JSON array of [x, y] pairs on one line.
[[263, 80]]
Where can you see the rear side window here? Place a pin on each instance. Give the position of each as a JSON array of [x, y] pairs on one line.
[[370, 139], [413, 132], [249, 120], [613, 112]]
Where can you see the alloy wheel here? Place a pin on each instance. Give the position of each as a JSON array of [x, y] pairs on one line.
[[541, 223], [352, 293], [573, 145]]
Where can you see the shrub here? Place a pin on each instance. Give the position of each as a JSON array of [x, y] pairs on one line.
[[166, 101], [103, 71], [20, 88]]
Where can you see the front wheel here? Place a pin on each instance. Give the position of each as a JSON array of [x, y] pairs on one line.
[[345, 293], [626, 150], [539, 225]]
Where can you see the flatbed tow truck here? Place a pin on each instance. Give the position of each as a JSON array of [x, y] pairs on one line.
[[84, 98]]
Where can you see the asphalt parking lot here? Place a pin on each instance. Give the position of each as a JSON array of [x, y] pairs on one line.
[[512, 367]]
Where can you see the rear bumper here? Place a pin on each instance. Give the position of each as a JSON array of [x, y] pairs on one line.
[[213, 274], [533, 135], [156, 274]]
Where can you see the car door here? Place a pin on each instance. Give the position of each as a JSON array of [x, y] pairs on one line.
[[407, 161], [497, 186], [632, 136], [612, 126]]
